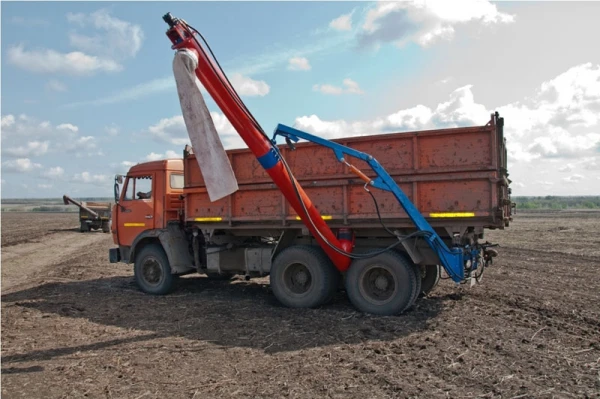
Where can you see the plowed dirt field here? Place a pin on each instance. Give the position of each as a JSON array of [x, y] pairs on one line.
[[74, 325]]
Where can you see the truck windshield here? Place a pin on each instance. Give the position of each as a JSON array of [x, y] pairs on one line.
[[176, 181]]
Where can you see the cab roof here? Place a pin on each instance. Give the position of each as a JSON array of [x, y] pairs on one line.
[[163, 164]]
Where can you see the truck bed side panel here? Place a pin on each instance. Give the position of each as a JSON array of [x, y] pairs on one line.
[[455, 170]]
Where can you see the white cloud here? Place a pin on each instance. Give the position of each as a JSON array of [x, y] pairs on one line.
[[54, 172], [460, 110], [592, 163], [246, 86], [68, 126], [569, 101], [343, 22], [299, 64], [20, 165], [112, 130], [73, 63], [155, 157], [27, 137], [114, 41], [561, 119], [170, 130], [44, 186], [349, 87], [573, 179], [561, 143], [425, 21], [32, 148], [8, 121], [89, 178], [173, 131], [117, 39], [566, 168], [413, 118], [55, 85]]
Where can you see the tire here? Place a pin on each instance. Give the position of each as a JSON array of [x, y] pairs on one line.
[[430, 277], [152, 271], [418, 275], [302, 276], [105, 228], [384, 285], [417, 271], [84, 227]]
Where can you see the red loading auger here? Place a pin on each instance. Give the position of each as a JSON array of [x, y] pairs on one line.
[[218, 86]]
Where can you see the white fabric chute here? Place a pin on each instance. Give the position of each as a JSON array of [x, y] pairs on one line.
[[210, 154]]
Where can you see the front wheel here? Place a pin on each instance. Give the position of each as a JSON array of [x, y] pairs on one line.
[[152, 271], [385, 284], [302, 276]]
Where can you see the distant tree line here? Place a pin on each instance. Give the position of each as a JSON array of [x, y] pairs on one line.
[[557, 202]]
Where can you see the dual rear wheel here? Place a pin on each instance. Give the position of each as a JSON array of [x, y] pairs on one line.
[[302, 276], [386, 284]]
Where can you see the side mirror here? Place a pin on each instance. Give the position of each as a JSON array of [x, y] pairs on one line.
[[117, 193], [118, 183]]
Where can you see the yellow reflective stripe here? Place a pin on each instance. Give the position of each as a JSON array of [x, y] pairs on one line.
[[324, 217], [83, 217], [452, 215], [208, 219], [134, 224]]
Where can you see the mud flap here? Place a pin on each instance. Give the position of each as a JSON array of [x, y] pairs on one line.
[[210, 154], [113, 255]]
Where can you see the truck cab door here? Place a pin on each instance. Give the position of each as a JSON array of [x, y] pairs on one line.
[[136, 208]]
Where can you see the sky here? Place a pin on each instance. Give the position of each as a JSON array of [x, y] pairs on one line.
[[88, 89]]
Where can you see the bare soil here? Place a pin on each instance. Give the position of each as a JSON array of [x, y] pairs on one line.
[[74, 325]]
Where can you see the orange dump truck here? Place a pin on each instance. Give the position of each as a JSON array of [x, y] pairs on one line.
[[165, 224]]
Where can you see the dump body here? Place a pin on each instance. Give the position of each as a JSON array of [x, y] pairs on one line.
[[456, 177]]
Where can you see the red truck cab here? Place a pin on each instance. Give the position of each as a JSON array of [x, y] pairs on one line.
[[149, 196]]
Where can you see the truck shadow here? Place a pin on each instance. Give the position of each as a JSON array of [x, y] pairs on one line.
[[228, 314]]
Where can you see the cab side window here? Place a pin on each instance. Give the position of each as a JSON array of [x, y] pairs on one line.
[[139, 187], [143, 187]]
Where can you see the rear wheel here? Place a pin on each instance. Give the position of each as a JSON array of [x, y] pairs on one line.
[[430, 277], [385, 284], [105, 227], [302, 276], [152, 270], [417, 271], [84, 227]]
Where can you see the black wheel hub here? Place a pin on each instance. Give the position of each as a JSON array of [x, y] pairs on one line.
[[151, 271], [297, 278], [377, 284]]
